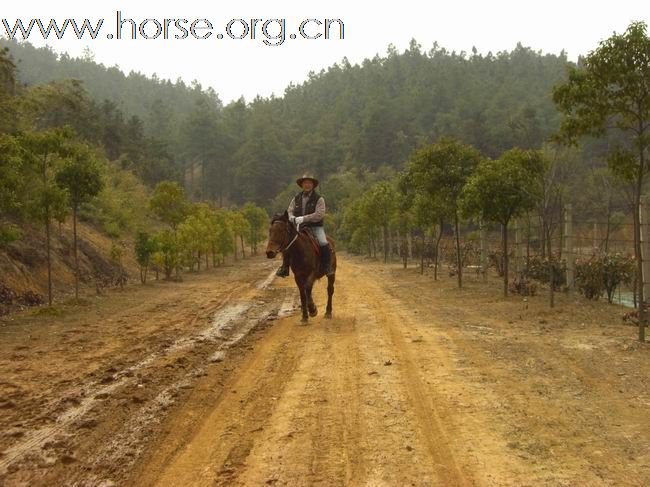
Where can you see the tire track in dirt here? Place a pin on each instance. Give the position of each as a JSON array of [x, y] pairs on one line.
[[426, 405], [133, 431], [314, 435], [220, 329], [428, 411], [410, 383], [218, 446], [34, 440], [108, 345], [336, 402]]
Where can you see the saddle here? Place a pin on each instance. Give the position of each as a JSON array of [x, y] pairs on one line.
[[312, 240]]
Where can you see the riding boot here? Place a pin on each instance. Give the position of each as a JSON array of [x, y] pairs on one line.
[[326, 259], [283, 271]]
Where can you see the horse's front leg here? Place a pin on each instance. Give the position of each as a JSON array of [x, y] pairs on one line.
[[304, 299], [311, 306]]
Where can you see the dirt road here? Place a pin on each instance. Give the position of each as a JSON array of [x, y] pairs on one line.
[[213, 382]]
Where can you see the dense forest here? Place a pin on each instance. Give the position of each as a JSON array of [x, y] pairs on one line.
[[364, 117]]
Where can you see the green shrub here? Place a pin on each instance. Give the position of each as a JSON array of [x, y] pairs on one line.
[[603, 273], [540, 270]]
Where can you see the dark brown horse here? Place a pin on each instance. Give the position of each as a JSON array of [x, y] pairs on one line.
[[305, 263]]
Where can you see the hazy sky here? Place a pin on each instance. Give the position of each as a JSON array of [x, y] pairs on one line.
[[249, 67]]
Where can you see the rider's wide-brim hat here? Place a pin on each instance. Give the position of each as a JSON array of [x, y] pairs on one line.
[[307, 176]]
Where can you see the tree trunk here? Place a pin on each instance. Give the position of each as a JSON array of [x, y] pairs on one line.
[[47, 232], [637, 243], [243, 249], [504, 238], [542, 237], [422, 253], [552, 281], [176, 256], [76, 257], [436, 251], [49, 255], [458, 259]]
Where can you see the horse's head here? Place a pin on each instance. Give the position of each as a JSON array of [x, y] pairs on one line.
[[279, 234]]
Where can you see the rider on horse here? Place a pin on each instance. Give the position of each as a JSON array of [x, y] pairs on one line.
[[307, 209]]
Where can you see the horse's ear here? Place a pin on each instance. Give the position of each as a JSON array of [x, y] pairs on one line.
[[285, 215]]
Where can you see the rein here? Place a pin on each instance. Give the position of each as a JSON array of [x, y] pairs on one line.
[[293, 240], [290, 243]]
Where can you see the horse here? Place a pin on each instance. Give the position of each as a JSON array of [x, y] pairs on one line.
[[304, 262]]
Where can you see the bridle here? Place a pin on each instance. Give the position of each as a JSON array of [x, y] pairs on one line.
[[289, 234]]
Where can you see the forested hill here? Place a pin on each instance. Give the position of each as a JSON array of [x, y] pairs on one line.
[[134, 93], [365, 115]]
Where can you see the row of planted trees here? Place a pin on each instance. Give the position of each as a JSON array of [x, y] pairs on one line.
[[449, 188], [46, 175], [50, 175], [606, 96], [197, 234], [444, 184]]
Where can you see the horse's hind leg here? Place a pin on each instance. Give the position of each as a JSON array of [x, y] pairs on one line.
[[330, 293]]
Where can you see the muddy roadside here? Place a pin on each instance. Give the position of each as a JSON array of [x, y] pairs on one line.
[[82, 388]]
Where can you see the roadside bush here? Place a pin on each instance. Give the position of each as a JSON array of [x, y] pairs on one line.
[[540, 270], [589, 277], [603, 273]]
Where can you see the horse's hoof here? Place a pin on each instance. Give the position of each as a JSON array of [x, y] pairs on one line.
[[328, 316], [304, 321], [313, 313]]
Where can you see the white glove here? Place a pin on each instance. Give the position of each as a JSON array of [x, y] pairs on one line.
[[292, 219], [299, 220]]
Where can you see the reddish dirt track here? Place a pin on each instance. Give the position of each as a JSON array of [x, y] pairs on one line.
[[213, 381]]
